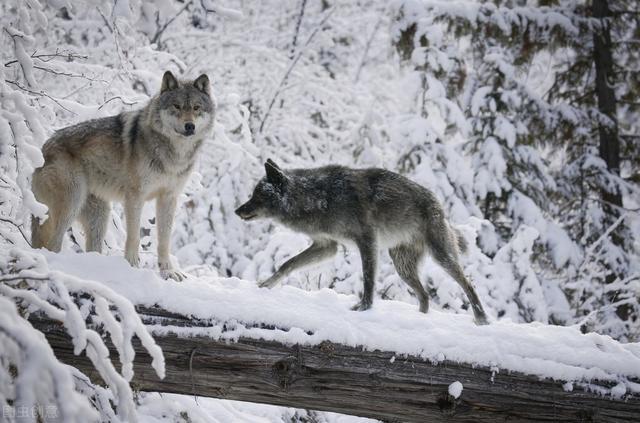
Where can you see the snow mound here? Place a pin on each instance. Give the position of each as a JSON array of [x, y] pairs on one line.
[[455, 389]]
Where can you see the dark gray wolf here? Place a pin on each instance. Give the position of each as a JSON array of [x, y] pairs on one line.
[[132, 157], [371, 208]]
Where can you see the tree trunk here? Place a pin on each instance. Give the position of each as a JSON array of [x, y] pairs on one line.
[[609, 147], [347, 380]]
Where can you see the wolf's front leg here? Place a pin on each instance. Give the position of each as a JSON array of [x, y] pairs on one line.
[[132, 211], [368, 254], [317, 252], [165, 211]]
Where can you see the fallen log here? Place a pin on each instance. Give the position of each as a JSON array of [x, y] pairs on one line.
[[342, 379]]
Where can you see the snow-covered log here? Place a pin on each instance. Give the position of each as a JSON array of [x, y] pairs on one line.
[[344, 379]]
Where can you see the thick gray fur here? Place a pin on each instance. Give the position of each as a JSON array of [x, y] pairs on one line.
[[132, 157], [371, 208]]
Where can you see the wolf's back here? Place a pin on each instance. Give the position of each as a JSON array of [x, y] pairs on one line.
[[75, 136]]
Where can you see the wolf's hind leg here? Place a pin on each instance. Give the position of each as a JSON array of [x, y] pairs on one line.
[[369, 256], [406, 259], [63, 190], [65, 215], [444, 252], [317, 252], [95, 218]]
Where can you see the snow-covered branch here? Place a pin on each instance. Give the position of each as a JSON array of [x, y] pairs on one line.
[[81, 307]]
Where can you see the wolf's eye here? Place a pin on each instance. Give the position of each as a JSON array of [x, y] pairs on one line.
[[177, 106], [196, 107]]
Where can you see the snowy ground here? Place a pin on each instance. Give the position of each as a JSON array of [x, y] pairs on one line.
[[310, 317], [156, 408]]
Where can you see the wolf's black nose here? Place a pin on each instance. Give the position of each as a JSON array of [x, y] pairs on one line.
[[189, 128]]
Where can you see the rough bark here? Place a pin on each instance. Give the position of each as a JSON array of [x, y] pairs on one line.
[[348, 380], [603, 60], [609, 145]]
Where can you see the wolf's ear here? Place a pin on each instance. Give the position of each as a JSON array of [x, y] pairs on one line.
[[169, 82], [274, 174], [202, 84], [272, 163]]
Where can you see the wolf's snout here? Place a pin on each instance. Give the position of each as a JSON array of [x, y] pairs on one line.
[[189, 128], [245, 212]]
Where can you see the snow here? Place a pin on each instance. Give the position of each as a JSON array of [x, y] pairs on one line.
[[466, 117], [41, 378], [32, 284], [455, 389], [156, 408], [310, 317]]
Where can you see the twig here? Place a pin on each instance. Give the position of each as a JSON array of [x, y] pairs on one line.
[[60, 73], [104, 18], [80, 88], [115, 31], [50, 57], [615, 206], [12, 277], [298, 23], [234, 14], [591, 250], [293, 63], [160, 31], [39, 93], [368, 46], [616, 304], [631, 103], [18, 227], [128, 103]]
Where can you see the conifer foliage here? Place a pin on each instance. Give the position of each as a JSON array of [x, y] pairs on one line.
[[545, 145]]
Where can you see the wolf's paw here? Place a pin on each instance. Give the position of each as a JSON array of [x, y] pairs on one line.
[[481, 320], [172, 274], [362, 306], [133, 258], [168, 272], [269, 283]]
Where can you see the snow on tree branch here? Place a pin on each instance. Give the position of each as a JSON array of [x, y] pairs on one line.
[[82, 306]]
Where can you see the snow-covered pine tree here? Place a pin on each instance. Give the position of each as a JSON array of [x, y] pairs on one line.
[[469, 49], [571, 196], [597, 79]]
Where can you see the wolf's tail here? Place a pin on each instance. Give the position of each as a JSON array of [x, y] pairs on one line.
[[463, 246]]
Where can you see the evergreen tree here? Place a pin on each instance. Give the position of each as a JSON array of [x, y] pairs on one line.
[[548, 160], [594, 79]]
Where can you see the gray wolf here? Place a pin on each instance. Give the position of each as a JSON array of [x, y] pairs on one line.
[[132, 157], [371, 208]]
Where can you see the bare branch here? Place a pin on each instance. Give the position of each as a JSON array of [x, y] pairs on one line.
[[293, 63], [61, 73], [368, 46], [160, 31], [303, 5], [631, 103], [128, 103], [50, 56], [39, 93]]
